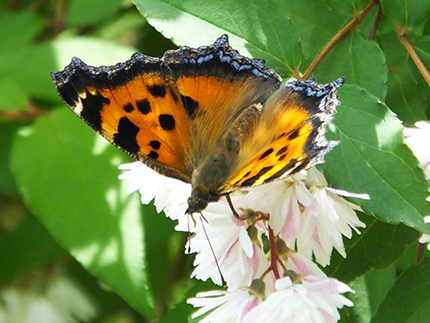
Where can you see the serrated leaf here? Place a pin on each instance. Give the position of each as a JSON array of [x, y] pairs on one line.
[[251, 24], [403, 96], [360, 60], [316, 25], [422, 47], [379, 245], [349, 7], [68, 180], [372, 158], [409, 299], [369, 291], [405, 13]]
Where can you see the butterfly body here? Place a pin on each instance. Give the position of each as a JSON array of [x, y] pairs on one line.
[[206, 116]]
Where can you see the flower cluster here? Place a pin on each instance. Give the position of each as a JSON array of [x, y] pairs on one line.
[[263, 252]]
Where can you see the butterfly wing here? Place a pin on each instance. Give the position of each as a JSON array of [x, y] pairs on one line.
[[136, 106], [167, 113], [217, 84], [289, 135]]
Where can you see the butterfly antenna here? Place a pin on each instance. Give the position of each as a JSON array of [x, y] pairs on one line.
[[189, 231], [189, 237], [230, 204], [213, 252]]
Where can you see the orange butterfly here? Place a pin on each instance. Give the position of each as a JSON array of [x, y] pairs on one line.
[[206, 116]]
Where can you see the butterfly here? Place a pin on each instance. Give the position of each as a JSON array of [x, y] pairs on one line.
[[207, 116]]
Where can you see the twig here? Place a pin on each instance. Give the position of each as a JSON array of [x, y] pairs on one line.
[[343, 32], [401, 33]]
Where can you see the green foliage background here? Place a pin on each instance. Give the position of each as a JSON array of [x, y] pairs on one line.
[[64, 211]]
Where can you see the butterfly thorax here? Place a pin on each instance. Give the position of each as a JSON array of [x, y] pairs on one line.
[[207, 177]]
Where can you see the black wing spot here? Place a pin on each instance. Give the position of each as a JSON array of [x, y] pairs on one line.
[[190, 106], [253, 179], [282, 150], [157, 91], [167, 122], [266, 153], [126, 136], [92, 106], [143, 106], [155, 144], [128, 107], [284, 169], [282, 158], [294, 134], [153, 155]]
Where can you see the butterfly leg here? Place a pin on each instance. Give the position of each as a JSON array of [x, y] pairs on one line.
[[230, 204]]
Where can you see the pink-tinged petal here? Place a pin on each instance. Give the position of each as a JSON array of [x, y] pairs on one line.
[[348, 194]]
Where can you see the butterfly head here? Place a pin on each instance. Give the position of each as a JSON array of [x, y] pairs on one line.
[[199, 199]]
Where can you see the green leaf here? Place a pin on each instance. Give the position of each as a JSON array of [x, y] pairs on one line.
[[422, 47], [251, 24], [82, 12], [33, 79], [369, 292], [22, 28], [372, 158], [404, 96], [7, 182], [405, 13], [68, 178], [379, 245], [316, 25], [360, 60], [409, 299], [12, 97], [349, 7], [24, 249]]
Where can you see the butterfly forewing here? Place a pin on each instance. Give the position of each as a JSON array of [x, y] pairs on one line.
[[136, 106], [217, 85]]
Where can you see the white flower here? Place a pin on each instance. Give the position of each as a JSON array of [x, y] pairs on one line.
[[418, 140], [170, 194], [305, 294], [425, 238], [240, 260], [314, 300], [306, 213], [322, 228], [228, 307]]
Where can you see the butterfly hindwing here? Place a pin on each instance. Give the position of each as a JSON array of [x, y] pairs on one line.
[[289, 136]]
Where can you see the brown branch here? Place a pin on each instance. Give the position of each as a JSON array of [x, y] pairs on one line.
[[342, 33], [21, 115], [402, 34], [273, 254], [376, 24]]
